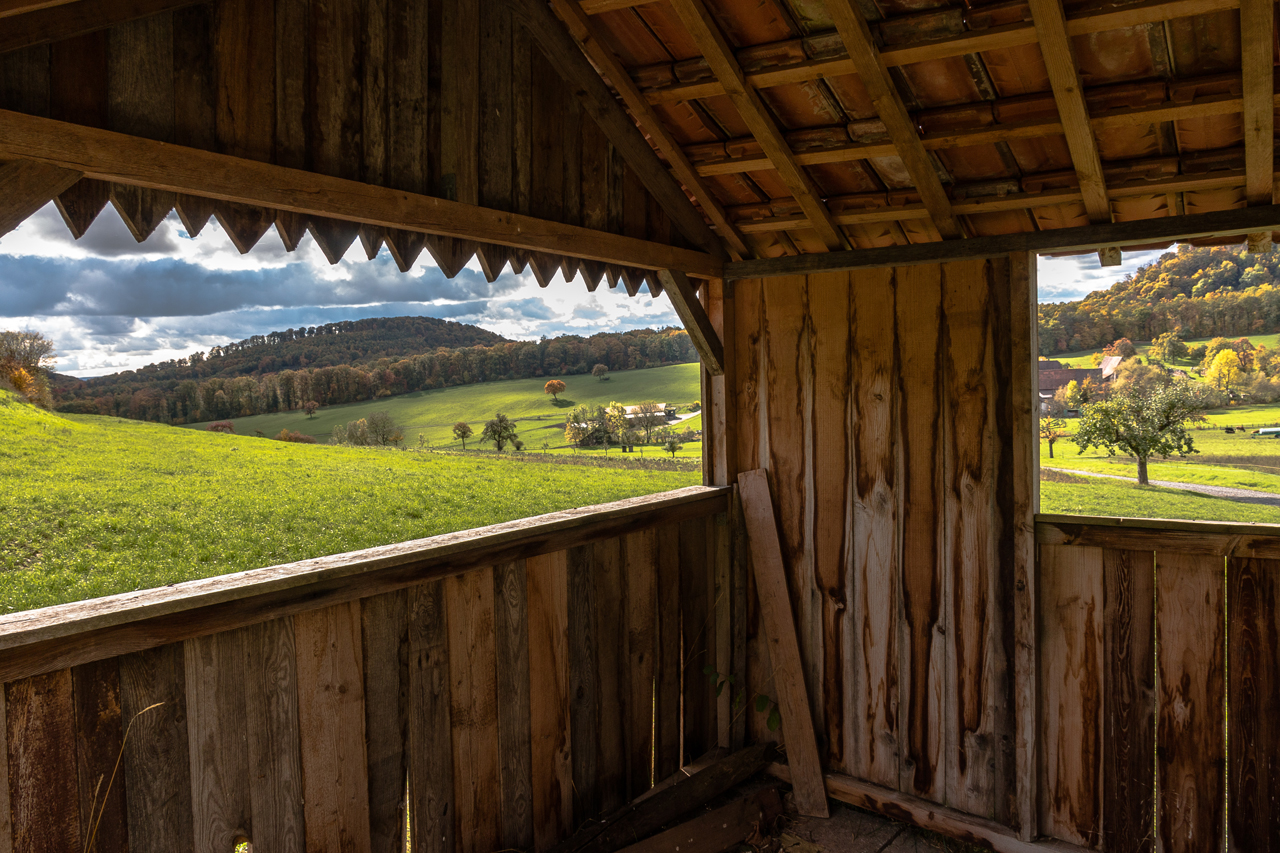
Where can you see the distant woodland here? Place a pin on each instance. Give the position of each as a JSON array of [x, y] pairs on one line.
[[348, 362], [1195, 292]]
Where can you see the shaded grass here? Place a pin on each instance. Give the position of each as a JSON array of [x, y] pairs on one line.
[[1129, 500], [93, 506]]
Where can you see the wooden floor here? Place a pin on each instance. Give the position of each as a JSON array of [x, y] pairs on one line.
[[850, 830]]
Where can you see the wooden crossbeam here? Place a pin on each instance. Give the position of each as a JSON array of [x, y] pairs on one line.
[[595, 7], [694, 317], [1257, 27], [584, 33], [1068, 94], [32, 23], [26, 186], [9, 8], [707, 36], [1165, 229], [874, 74], [563, 53], [139, 162], [979, 41]]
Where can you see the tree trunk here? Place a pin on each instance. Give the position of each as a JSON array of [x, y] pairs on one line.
[[1142, 471], [1051, 450]]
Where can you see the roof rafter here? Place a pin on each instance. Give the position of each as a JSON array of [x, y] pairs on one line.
[[1068, 93], [1257, 27], [588, 39], [857, 39], [31, 24], [684, 298], [136, 162], [706, 34]]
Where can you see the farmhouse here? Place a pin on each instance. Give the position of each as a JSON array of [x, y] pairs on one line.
[[844, 202]]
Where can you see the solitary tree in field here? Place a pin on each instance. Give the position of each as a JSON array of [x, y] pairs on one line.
[[648, 416], [462, 431], [1051, 429], [310, 407], [383, 430], [1142, 425], [673, 447], [555, 388], [501, 431], [600, 371]]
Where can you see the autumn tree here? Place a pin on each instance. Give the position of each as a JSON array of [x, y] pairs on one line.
[[1140, 425], [383, 430], [1122, 347], [501, 431], [1225, 370], [600, 371], [1168, 347], [649, 415], [555, 388], [1051, 430], [310, 407], [24, 359], [462, 431]]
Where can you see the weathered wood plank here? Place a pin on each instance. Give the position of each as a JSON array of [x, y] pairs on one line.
[[612, 674], [156, 762], [549, 698], [668, 721], [331, 722], [271, 705], [720, 829], [78, 93], [872, 672], [67, 20], [473, 711], [640, 570], [104, 820], [218, 741], [1071, 683], [1253, 596], [584, 683], [784, 650], [696, 624], [922, 685], [1129, 713], [694, 318], [6, 811], [384, 639], [460, 94], [41, 738], [26, 186], [511, 644], [1191, 748], [430, 742]]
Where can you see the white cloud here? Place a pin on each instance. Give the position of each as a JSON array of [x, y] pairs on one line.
[[112, 304], [1065, 279]]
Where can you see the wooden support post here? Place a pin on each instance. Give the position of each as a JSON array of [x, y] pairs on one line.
[[26, 186], [784, 648], [1259, 243], [696, 322], [1110, 256]]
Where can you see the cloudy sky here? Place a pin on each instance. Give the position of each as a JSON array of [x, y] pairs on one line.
[[110, 303]]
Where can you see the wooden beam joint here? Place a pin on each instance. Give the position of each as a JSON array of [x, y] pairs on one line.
[[684, 298]]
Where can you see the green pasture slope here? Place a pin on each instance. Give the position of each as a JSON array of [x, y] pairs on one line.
[[94, 506], [1085, 358], [433, 413]]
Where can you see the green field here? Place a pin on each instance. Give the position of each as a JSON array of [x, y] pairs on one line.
[[432, 414], [1094, 497], [94, 506], [1085, 358]]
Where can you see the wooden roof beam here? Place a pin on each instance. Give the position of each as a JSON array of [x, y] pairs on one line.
[[32, 23], [128, 160], [563, 53], [595, 7], [585, 33], [874, 74], [1257, 39], [9, 8], [684, 298], [706, 34], [978, 41], [26, 186]]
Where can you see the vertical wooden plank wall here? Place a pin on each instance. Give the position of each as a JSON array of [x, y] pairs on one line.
[[879, 402], [495, 709]]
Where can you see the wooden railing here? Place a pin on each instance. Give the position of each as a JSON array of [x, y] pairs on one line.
[[477, 691], [1159, 684]]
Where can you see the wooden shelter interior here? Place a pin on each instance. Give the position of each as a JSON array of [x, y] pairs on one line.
[[844, 200]]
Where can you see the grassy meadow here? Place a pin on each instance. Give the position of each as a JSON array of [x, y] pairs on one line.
[[432, 414], [94, 506]]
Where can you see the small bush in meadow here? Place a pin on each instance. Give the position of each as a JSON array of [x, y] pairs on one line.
[[221, 426], [296, 437]]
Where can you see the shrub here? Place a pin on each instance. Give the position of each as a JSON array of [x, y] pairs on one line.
[[221, 426], [297, 437]]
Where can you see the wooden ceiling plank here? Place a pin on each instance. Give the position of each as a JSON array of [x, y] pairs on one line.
[[598, 100], [29, 27], [585, 33], [706, 34], [874, 74], [26, 186], [694, 317], [1068, 94], [117, 157], [9, 8], [1257, 39], [195, 213], [1085, 238], [596, 7]]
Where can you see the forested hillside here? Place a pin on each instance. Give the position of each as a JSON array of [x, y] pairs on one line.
[[1196, 292], [245, 378]]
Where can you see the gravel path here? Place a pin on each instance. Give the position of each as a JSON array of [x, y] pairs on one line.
[[1248, 496]]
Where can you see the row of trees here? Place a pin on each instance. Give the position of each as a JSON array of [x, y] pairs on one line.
[[1203, 292], [179, 401]]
